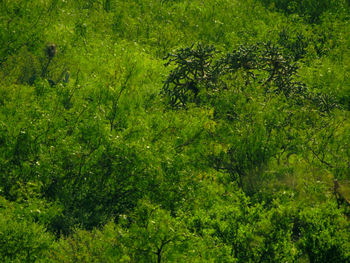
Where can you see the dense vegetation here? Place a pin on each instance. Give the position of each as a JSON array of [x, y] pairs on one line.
[[174, 131]]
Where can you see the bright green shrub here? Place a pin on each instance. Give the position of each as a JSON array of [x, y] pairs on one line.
[[88, 246], [146, 235], [322, 234], [249, 232], [21, 239]]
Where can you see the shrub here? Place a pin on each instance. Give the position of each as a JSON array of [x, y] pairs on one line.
[[194, 71], [312, 10], [322, 234], [198, 72], [21, 240]]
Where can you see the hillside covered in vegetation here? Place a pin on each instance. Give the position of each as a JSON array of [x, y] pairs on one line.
[[175, 131]]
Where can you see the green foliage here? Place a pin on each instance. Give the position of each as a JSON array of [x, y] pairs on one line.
[[21, 239], [226, 154], [154, 235], [196, 73], [88, 246], [311, 9], [315, 230]]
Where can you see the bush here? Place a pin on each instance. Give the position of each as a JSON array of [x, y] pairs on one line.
[[312, 10], [21, 239], [198, 73], [322, 234], [88, 246]]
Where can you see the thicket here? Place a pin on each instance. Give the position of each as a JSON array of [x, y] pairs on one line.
[[174, 131], [311, 10]]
